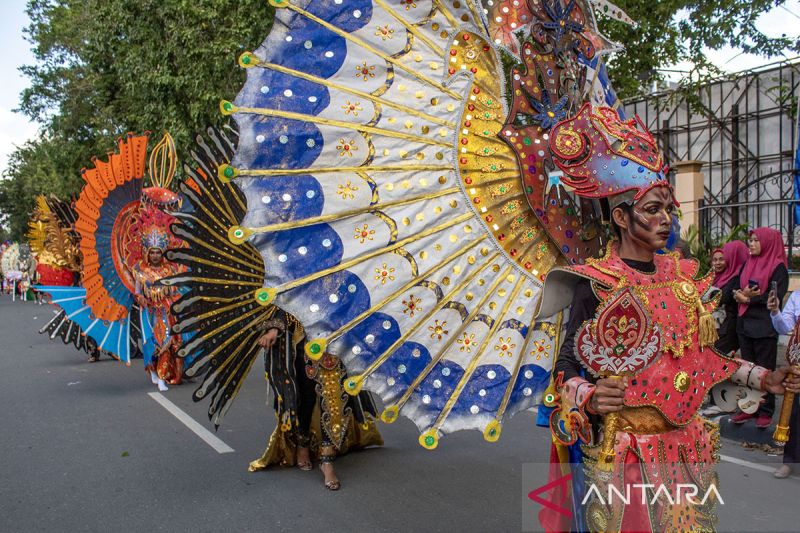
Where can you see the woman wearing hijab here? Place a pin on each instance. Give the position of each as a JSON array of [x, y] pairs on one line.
[[764, 270], [727, 262]]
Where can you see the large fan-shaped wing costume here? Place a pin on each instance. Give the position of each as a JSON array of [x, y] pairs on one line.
[[396, 182], [116, 218], [54, 241], [55, 244]]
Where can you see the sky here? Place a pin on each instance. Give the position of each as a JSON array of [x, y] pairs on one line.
[[15, 129]]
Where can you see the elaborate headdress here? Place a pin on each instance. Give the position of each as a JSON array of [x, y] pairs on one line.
[[154, 226], [603, 156], [161, 170], [154, 222]]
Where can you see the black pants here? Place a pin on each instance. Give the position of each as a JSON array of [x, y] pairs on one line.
[[306, 395], [763, 352], [791, 452]]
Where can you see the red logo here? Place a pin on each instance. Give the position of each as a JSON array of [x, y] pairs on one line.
[[534, 495]]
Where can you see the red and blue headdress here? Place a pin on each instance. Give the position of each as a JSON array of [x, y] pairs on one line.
[[602, 155]]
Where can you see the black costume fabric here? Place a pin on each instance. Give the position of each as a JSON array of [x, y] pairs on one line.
[[310, 404], [223, 321]]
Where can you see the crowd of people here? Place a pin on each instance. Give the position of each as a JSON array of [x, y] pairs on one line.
[[753, 280]]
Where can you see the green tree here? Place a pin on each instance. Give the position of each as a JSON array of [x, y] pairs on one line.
[[33, 169], [675, 31], [107, 67]]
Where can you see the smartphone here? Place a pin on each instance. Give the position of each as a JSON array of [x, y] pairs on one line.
[[773, 289], [753, 284]]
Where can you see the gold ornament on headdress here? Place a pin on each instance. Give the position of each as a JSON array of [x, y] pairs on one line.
[[163, 162], [50, 242]]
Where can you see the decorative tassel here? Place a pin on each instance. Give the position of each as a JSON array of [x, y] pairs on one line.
[[707, 328]]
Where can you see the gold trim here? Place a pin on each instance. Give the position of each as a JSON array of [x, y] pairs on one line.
[[476, 16], [446, 13], [435, 268], [215, 281], [422, 321], [507, 395], [375, 99], [473, 364], [435, 360], [356, 260], [414, 30], [366, 46], [198, 363], [353, 212], [320, 170], [207, 246], [338, 124]]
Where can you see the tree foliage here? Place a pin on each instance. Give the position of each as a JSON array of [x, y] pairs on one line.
[[673, 32], [107, 67]]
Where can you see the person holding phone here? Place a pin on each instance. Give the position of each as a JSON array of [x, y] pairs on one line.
[[785, 323], [758, 339]]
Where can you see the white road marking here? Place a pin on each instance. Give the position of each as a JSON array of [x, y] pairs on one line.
[[208, 437], [748, 464]]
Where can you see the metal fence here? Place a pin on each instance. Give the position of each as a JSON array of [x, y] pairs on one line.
[[743, 127]]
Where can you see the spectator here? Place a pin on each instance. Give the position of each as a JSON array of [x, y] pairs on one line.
[[758, 340], [785, 322], [727, 262]]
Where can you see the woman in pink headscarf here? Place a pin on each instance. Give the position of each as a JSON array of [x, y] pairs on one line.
[[727, 262], [765, 270]]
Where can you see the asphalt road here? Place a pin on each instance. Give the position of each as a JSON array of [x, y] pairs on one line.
[[84, 448]]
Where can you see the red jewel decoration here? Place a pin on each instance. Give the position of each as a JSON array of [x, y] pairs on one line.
[[468, 123], [474, 70], [476, 90], [466, 37], [471, 107], [489, 218], [514, 252], [451, 70], [528, 266], [453, 52], [464, 140], [463, 160], [468, 181], [502, 237], [476, 200]]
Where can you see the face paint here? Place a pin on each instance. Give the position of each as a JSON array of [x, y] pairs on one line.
[[651, 219]]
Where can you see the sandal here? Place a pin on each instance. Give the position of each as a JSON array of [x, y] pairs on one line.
[[305, 466], [328, 459]]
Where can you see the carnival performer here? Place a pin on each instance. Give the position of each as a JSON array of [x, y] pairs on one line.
[[159, 348], [315, 416], [634, 301], [229, 328], [765, 270], [727, 262], [786, 322], [124, 228]]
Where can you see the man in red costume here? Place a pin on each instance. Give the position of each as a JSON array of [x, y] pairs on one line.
[[638, 301]]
